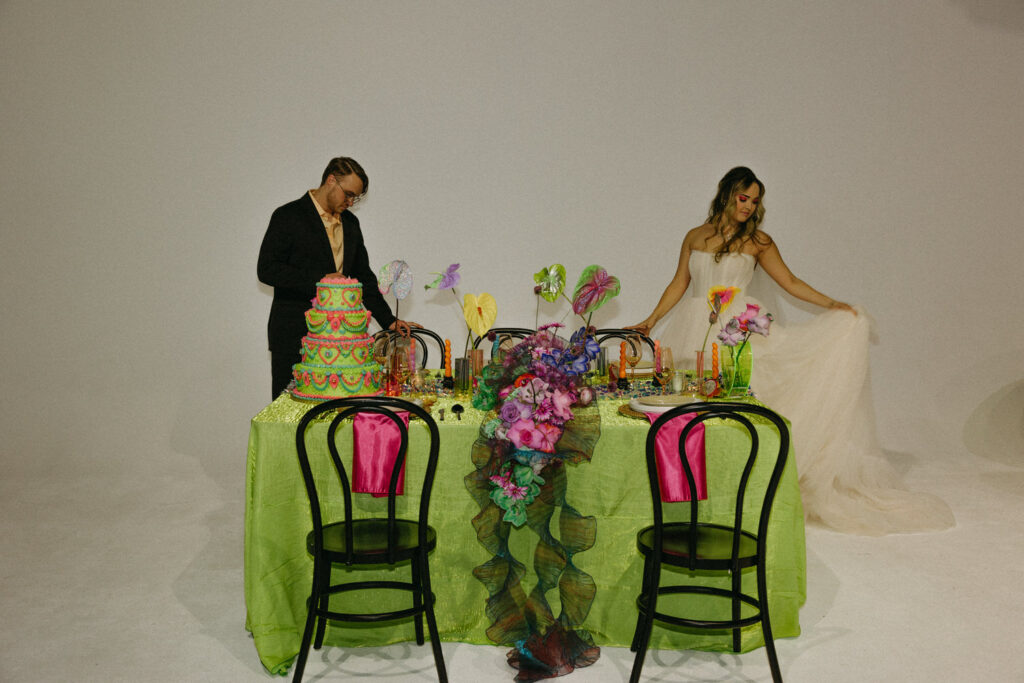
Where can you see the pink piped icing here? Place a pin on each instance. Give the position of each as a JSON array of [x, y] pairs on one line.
[[334, 280]]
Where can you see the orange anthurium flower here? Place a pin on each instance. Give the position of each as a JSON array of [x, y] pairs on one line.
[[719, 299]]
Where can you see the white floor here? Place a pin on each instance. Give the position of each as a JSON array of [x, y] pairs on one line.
[[134, 573]]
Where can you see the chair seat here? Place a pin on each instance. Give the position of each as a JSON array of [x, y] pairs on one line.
[[714, 545], [369, 540]]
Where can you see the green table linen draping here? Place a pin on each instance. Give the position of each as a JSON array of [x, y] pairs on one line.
[[612, 487]]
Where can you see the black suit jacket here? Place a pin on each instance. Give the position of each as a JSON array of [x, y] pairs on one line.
[[295, 255]]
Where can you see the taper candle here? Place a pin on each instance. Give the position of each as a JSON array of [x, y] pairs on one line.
[[622, 360]]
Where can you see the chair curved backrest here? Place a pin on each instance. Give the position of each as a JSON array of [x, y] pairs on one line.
[[626, 335], [421, 334], [348, 407], [503, 333], [741, 414]]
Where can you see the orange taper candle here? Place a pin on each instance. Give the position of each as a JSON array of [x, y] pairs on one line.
[[622, 360], [714, 360], [447, 357]]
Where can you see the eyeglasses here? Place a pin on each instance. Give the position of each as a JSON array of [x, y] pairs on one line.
[[352, 197]]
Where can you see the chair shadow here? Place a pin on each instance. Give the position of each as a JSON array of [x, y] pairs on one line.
[[399, 659]]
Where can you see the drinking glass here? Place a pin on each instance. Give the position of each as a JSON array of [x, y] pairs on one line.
[[634, 352], [668, 371]]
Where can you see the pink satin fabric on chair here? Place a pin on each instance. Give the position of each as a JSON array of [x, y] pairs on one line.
[[375, 443], [671, 476]]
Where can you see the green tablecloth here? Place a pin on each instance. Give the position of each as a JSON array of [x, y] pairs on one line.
[[613, 488]]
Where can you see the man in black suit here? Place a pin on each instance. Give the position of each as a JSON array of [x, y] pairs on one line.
[[307, 239]]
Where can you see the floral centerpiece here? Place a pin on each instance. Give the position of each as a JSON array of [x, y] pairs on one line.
[[533, 391], [540, 418]]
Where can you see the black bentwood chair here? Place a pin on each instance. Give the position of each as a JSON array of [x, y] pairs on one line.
[[515, 334], [625, 335], [703, 547], [421, 334], [355, 542]]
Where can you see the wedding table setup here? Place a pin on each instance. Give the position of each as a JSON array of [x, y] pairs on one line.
[[612, 488], [540, 489]]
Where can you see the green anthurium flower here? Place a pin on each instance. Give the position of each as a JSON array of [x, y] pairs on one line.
[[551, 281]]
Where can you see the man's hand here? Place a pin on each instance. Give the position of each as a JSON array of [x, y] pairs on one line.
[[402, 327]]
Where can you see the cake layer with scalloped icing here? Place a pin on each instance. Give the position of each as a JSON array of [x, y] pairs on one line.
[[323, 384], [336, 324]]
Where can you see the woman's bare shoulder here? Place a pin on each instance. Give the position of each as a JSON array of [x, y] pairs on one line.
[[698, 237], [761, 241]]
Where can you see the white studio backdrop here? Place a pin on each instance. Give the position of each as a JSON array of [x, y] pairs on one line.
[[145, 145]]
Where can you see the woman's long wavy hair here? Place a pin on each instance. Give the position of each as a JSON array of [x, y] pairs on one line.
[[724, 205]]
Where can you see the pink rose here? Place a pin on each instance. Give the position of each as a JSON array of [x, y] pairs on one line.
[[524, 434]]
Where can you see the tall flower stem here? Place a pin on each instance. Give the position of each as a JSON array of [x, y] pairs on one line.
[[469, 330], [706, 334]]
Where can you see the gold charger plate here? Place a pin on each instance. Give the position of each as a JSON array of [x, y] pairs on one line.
[[626, 411]]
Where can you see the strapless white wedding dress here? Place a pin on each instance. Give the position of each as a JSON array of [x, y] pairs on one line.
[[815, 373]]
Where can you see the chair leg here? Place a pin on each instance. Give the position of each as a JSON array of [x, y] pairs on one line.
[[737, 587], [417, 598], [648, 620], [322, 622], [435, 637], [766, 625], [324, 603], [640, 615], [307, 632]]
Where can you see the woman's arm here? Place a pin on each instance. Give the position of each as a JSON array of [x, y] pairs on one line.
[[771, 260], [672, 294]]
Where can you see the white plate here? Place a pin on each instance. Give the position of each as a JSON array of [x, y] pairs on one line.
[[660, 404]]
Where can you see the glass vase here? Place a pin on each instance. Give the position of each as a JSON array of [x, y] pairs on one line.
[[737, 364]]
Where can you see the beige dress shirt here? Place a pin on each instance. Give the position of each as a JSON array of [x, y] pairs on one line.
[[332, 224]]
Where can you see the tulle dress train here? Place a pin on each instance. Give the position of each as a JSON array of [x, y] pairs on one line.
[[815, 373]]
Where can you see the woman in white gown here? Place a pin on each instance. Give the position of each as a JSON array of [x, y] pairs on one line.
[[814, 373]]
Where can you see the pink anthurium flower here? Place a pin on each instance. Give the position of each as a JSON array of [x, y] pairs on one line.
[[593, 289]]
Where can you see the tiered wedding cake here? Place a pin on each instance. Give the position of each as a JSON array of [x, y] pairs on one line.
[[337, 354]]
